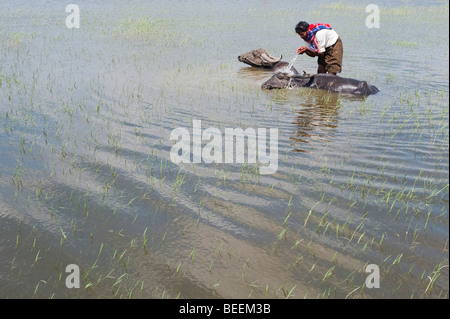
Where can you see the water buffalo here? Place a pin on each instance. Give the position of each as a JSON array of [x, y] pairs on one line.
[[328, 82], [260, 58]]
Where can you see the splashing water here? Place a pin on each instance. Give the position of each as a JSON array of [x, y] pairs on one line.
[[288, 70], [290, 85], [290, 65]]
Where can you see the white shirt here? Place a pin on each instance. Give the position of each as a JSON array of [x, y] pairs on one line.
[[326, 38]]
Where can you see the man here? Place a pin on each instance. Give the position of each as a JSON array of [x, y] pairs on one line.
[[324, 43]]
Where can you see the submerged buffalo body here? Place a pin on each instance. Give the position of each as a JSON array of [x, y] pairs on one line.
[[260, 58], [328, 82]]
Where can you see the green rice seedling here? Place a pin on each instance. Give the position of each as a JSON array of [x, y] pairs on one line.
[[193, 254], [210, 266], [436, 274]]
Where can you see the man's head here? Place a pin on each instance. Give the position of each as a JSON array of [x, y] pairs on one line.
[[302, 29]]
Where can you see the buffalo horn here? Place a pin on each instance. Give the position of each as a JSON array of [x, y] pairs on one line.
[[271, 59]]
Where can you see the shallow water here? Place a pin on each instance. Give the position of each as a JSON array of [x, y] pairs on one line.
[[86, 176]]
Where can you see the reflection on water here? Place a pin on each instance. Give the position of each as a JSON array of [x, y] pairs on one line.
[[316, 120], [258, 75]]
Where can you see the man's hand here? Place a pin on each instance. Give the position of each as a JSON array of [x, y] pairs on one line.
[[309, 52], [302, 50]]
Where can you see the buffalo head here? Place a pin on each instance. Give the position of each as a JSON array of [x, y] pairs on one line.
[[259, 58], [282, 80]]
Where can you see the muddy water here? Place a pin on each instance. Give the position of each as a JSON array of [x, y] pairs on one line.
[[86, 176]]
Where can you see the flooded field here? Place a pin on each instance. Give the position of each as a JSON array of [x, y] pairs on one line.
[[86, 175]]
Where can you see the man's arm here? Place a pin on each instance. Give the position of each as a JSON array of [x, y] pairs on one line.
[[308, 51]]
